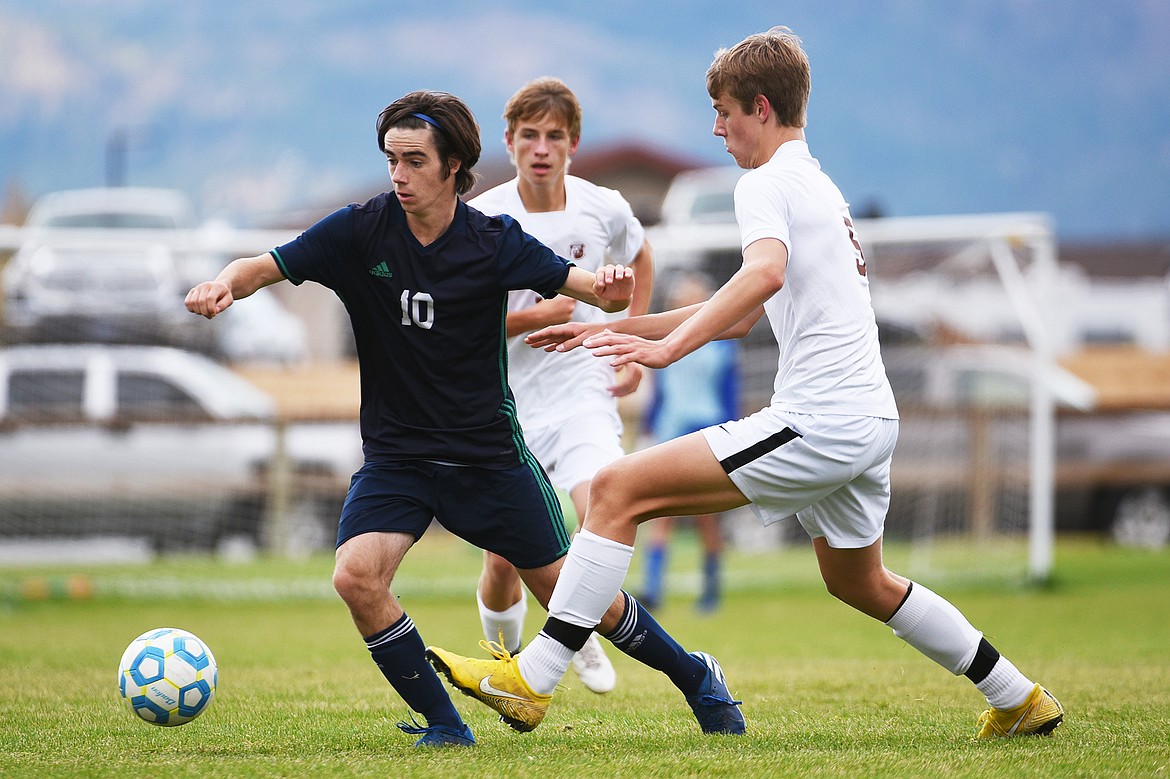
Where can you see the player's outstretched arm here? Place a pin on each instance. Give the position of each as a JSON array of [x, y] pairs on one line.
[[239, 279], [542, 313], [738, 301], [563, 338], [610, 288]]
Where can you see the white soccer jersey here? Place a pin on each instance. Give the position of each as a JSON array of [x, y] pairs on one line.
[[597, 227], [822, 318]]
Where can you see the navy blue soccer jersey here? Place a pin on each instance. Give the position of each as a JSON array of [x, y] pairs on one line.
[[428, 323]]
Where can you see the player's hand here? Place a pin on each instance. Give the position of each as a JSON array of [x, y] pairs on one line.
[[556, 311], [209, 298], [614, 282], [627, 378], [627, 349], [562, 338]]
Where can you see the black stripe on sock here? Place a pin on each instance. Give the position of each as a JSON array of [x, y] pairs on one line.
[[756, 451], [566, 634], [986, 656]]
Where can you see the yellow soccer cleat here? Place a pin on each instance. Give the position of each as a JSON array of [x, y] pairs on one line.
[[496, 682], [1038, 715]]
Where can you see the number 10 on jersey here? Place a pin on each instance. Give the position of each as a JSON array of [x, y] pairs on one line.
[[418, 309]]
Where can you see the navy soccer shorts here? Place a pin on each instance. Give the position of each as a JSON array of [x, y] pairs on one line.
[[513, 512]]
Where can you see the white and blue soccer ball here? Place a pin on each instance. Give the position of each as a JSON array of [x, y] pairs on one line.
[[167, 676]]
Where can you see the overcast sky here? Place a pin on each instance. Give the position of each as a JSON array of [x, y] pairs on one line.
[[258, 107]]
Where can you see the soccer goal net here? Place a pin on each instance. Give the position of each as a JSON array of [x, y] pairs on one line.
[[963, 318]]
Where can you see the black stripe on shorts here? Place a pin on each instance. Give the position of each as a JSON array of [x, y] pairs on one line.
[[756, 451]]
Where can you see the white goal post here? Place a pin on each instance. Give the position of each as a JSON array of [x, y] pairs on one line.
[[1010, 241], [978, 388]]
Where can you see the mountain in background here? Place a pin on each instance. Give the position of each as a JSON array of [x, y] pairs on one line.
[[256, 109]]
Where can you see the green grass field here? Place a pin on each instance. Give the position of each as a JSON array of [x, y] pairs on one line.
[[826, 691]]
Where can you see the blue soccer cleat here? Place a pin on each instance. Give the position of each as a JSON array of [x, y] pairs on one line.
[[714, 708], [438, 735]]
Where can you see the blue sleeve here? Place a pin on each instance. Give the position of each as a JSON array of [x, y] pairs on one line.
[[314, 254], [729, 380], [526, 263]]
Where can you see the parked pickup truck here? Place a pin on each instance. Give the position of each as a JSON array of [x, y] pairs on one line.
[[160, 444]]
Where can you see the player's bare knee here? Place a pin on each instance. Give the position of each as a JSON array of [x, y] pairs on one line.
[[351, 585], [497, 570], [610, 495], [343, 583]]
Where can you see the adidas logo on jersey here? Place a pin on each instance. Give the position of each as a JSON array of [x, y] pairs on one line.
[[382, 270]]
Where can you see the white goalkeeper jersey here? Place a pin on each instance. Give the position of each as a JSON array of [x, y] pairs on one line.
[[822, 318], [597, 227]]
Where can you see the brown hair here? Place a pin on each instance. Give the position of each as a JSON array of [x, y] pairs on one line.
[[769, 63], [452, 126], [545, 96]]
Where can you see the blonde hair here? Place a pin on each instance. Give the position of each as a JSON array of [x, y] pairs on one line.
[[545, 96], [771, 64]]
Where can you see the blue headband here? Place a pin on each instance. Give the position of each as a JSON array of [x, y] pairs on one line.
[[428, 120]]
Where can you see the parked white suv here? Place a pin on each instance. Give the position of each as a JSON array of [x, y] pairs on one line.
[[156, 443]]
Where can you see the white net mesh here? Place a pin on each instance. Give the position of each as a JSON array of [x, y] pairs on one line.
[[963, 334]]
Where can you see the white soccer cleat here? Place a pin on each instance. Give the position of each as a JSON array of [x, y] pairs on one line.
[[593, 667]]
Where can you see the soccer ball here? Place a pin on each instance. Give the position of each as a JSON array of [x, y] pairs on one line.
[[167, 676]]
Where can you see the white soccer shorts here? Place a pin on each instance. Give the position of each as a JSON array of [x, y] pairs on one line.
[[574, 451], [831, 471]]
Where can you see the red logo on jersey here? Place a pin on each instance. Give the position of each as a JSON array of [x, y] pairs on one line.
[[860, 256], [577, 251]]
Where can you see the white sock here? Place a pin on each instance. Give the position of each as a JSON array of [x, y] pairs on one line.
[[543, 662], [1005, 687], [937, 629], [510, 622], [589, 581]]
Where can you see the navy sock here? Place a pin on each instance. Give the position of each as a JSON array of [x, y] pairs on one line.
[[401, 655], [642, 638], [710, 596]]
